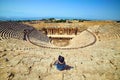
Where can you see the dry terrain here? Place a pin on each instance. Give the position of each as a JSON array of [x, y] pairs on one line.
[[94, 53]]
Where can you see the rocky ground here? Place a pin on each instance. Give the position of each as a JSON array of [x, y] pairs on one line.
[[21, 60], [98, 62]]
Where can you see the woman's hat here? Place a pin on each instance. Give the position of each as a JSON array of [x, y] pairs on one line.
[[61, 58]]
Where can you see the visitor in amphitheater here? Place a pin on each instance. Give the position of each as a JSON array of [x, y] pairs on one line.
[[25, 33], [61, 65]]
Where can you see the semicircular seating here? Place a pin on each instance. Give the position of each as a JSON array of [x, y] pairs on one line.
[[108, 32], [17, 31], [12, 30], [37, 37]]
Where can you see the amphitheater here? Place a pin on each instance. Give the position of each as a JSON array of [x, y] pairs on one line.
[[28, 51]]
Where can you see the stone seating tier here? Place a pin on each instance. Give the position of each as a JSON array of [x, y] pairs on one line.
[[12, 30], [108, 32]]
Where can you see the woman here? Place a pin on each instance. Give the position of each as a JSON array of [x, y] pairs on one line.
[[60, 63]]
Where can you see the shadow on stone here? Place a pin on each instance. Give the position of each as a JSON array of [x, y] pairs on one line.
[[68, 67]]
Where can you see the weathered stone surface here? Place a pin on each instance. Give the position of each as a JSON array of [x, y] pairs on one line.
[[20, 60], [57, 76]]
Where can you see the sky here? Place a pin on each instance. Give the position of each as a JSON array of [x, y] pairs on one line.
[[83, 9]]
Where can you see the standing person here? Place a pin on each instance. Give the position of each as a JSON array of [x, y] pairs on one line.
[[25, 33]]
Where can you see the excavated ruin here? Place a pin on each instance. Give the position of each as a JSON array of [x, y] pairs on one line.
[[28, 53]]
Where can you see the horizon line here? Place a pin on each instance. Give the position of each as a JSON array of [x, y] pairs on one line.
[[40, 18]]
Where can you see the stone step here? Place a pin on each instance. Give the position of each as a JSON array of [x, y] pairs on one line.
[[12, 30]]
